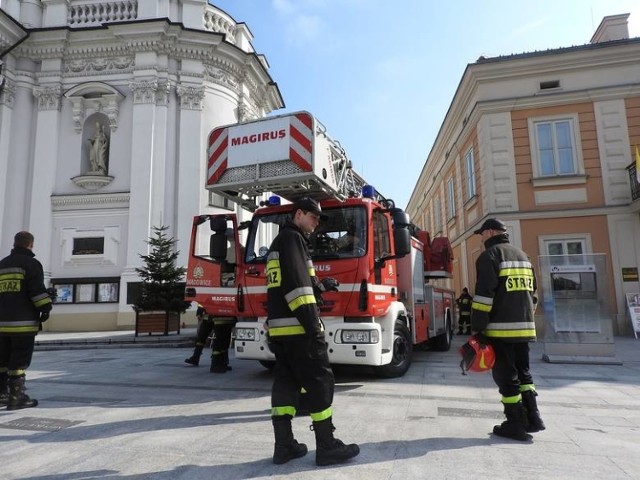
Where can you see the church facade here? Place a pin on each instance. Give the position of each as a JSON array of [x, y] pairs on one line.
[[104, 113]]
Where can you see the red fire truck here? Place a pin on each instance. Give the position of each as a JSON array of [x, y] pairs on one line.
[[388, 300]]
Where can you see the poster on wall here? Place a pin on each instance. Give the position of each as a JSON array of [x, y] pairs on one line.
[[633, 303]]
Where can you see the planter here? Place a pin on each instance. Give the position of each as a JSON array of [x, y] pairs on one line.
[[157, 322]]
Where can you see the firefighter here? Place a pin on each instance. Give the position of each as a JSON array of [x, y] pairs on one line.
[[464, 312], [221, 328], [24, 304], [296, 337], [503, 311], [205, 327]]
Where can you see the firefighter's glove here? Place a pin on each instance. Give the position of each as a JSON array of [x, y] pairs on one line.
[[44, 316], [329, 285], [52, 292]]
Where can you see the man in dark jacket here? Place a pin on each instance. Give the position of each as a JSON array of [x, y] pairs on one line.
[[24, 304], [503, 312], [296, 337], [463, 302]]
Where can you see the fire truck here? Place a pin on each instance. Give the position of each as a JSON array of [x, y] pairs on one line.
[[388, 300]]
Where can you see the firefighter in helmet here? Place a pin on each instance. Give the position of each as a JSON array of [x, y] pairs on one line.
[[296, 337], [463, 302], [503, 312]]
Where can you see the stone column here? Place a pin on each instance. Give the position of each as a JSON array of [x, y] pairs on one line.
[[45, 153], [6, 116], [191, 161]]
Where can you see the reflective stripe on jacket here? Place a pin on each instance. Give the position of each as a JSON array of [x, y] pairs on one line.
[[503, 304], [291, 284], [23, 295]]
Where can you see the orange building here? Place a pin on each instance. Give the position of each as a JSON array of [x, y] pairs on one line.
[[546, 142]]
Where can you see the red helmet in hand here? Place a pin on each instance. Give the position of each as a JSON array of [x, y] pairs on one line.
[[477, 355]]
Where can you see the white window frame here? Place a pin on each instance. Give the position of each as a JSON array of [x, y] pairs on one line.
[[578, 175], [470, 172], [451, 198], [545, 240]]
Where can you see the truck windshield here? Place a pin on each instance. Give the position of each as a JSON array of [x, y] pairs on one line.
[[342, 235]]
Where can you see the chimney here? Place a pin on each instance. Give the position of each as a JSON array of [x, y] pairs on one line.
[[613, 27]]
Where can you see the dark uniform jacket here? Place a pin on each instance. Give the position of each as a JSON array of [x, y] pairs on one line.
[[23, 295], [503, 304], [292, 286], [464, 303]]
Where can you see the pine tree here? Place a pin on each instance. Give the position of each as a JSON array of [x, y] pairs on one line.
[[161, 278]]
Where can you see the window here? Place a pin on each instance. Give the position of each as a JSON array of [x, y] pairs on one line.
[[555, 147], [470, 170], [86, 290], [451, 199], [88, 246], [569, 246], [219, 201]]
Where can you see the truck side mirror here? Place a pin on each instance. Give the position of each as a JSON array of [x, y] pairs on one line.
[[218, 247], [402, 240]]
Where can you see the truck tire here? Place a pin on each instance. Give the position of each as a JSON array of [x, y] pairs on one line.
[[402, 353], [442, 342], [268, 364]]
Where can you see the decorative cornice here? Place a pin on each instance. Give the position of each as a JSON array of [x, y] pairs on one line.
[[48, 97], [222, 77], [98, 66], [144, 91], [191, 97], [94, 201]]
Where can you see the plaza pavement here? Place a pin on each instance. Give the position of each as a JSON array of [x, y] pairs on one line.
[[111, 410]]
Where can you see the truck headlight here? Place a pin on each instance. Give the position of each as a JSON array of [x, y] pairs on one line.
[[248, 334], [359, 336]]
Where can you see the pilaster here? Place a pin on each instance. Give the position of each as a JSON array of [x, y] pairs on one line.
[[44, 168]]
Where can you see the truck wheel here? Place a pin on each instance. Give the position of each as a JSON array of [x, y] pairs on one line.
[[268, 364], [442, 342], [402, 353]]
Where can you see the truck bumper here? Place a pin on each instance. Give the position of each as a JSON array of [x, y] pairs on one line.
[[348, 343]]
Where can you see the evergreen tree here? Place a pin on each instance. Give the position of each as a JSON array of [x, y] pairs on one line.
[[161, 278]]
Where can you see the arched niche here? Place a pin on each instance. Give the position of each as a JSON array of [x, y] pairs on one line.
[[94, 97]]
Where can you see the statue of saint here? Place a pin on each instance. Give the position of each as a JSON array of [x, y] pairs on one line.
[[98, 148]]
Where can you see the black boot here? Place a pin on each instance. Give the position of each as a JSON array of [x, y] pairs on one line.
[[225, 360], [535, 423], [217, 363], [17, 398], [4, 390], [195, 358], [330, 450], [514, 426], [286, 447]]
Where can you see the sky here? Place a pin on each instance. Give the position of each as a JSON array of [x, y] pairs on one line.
[[381, 75]]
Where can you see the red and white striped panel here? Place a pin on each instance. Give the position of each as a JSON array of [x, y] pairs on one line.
[[217, 153], [301, 146]]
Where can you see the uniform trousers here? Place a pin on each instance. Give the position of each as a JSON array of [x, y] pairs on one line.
[[16, 351], [302, 362], [512, 366]]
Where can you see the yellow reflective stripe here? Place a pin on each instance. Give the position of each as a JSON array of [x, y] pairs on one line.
[[17, 373], [514, 399], [302, 300], [323, 415], [12, 276], [509, 333], [515, 271], [481, 306], [529, 387], [41, 302], [311, 271], [281, 331], [22, 329], [281, 411]]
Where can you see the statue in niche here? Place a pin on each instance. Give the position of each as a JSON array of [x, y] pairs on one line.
[[98, 151]]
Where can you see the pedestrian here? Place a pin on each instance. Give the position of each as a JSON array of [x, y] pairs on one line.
[[463, 303], [296, 337], [24, 304], [221, 328], [503, 312]]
